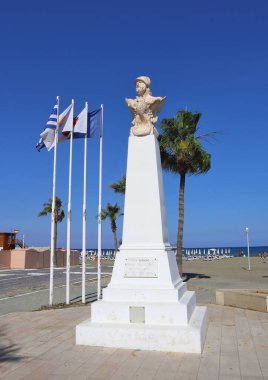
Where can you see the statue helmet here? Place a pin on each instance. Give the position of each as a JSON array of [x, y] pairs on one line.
[[144, 79]]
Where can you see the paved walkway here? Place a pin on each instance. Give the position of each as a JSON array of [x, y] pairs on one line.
[[40, 345]]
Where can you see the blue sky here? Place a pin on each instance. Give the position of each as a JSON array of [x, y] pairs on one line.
[[208, 56]]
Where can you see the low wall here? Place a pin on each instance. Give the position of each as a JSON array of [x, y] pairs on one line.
[[5, 257], [251, 299], [32, 259]]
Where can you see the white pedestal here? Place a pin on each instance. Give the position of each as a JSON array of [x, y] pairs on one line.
[[146, 305]]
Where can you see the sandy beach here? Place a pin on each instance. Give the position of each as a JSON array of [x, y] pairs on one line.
[[205, 277]]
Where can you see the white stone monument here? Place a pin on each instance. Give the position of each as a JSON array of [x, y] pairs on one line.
[[146, 305]]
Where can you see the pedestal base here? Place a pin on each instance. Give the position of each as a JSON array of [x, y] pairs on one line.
[[146, 305], [189, 338], [156, 313]]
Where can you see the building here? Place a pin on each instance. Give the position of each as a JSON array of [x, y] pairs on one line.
[[7, 240]]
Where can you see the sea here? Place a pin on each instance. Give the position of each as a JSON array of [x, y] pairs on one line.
[[230, 251]]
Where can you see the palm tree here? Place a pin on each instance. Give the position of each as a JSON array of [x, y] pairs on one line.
[[119, 186], [183, 154], [59, 216], [112, 212]]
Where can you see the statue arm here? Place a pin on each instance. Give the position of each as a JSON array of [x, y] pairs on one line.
[[130, 103], [157, 105]]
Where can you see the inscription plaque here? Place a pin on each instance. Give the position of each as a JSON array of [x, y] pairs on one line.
[[143, 267]]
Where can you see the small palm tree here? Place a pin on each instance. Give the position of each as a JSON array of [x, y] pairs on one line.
[[119, 186], [59, 216], [182, 153], [112, 212]]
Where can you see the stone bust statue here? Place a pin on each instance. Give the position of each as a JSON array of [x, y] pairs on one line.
[[144, 108]]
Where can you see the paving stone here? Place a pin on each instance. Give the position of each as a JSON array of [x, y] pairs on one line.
[[188, 368], [236, 347], [164, 375], [209, 367], [144, 374], [229, 364], [104, 372]]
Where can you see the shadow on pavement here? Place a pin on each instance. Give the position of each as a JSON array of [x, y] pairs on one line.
[[8, 350], [187, 276], [90, 297]]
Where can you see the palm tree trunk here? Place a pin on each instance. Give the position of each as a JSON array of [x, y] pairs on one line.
[[115, 244], [113, 228], [180, 223]]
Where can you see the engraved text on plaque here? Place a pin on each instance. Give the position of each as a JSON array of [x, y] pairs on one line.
[[146, 267]]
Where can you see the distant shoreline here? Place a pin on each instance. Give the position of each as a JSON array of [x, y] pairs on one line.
[[233, 251]]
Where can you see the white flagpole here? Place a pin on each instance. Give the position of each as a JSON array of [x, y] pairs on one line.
[[53, 222], [99, 210], [68, 253], [84, 219]]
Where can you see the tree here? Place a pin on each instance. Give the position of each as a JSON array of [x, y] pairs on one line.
[[59, 216], [183, 154], [119, 186], [112, 212]]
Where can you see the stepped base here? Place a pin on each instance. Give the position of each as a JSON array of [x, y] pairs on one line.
[[169, 338], [151, 313], [154, 312]]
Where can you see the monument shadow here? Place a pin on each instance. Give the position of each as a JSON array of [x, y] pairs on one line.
[[8, 350], [187, 276]]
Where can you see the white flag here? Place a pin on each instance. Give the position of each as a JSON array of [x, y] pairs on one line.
[[66, 119], [47, 137], [65, 125], [80, 123]]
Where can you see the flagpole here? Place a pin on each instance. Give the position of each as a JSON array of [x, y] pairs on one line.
[[84, 219], [68, 253], [99, 209], [53, 221]]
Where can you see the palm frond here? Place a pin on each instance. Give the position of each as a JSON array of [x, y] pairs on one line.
[[208, 136], [119, 186], [47, 209]]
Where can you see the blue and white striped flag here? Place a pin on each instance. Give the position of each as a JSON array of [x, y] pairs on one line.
[[48, 135], [65, 125], [52, 121]]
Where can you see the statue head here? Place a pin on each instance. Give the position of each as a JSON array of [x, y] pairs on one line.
[[143, 85]]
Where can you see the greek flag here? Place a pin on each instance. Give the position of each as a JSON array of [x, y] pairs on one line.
[[65, 125], [52, 121], [48, 135]]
